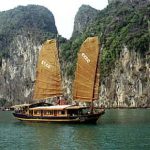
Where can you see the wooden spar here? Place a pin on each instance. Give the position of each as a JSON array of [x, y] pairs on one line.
[[97, 69]]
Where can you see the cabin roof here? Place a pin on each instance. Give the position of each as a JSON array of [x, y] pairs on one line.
[[76, 107], [58, 107]]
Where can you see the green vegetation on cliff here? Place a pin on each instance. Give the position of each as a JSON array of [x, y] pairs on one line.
[[34, 21], [119, 25]]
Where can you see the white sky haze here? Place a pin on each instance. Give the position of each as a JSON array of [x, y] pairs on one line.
[[64, 11]]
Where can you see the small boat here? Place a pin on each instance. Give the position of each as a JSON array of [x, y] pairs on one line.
[[48, 85]]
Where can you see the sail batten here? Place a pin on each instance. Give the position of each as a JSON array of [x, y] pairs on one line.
[[47, 89], [55, 81], [86, 83], [85, 78], [48, 77]]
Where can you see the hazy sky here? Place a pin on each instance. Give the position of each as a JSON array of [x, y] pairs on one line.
[[64, 11]]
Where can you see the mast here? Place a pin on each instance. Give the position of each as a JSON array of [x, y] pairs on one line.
[[96, 84]]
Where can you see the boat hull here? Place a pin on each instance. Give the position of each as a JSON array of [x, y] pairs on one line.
[[90, 118]]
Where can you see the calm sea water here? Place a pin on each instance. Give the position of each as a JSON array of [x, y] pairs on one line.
[[116, 130]]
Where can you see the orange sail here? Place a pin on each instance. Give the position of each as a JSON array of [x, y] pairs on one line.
[[48, 78], [86, 83]]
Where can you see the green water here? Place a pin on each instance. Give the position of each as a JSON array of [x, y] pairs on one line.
[[117, 130]]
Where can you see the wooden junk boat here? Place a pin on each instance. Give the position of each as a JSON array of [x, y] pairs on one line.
[[48, 85]]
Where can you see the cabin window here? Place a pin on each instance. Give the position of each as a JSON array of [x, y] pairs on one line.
[[73, 112], [62, 112], [59, 112], [37, 112], [48, 112], [31, 112]]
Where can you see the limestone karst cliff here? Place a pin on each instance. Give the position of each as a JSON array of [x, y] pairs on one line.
[[125, 55], [84, 18], [128, 83], [22, 31]]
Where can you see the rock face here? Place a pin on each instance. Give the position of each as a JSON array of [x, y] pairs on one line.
[[83, 18], [129, 83], [18, 71], [27, 17], [25, 28]]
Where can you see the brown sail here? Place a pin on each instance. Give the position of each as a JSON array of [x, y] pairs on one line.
[[48, 78], [86, 83]]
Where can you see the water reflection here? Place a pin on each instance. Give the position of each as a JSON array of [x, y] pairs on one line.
[[126, 116]]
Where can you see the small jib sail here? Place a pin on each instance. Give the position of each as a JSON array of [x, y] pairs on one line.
[[86, 83], [48, 78]]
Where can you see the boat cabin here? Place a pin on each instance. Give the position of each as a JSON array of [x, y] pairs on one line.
[[58, 110]]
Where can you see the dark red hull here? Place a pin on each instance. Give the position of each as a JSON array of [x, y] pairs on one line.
[[89, 118]]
